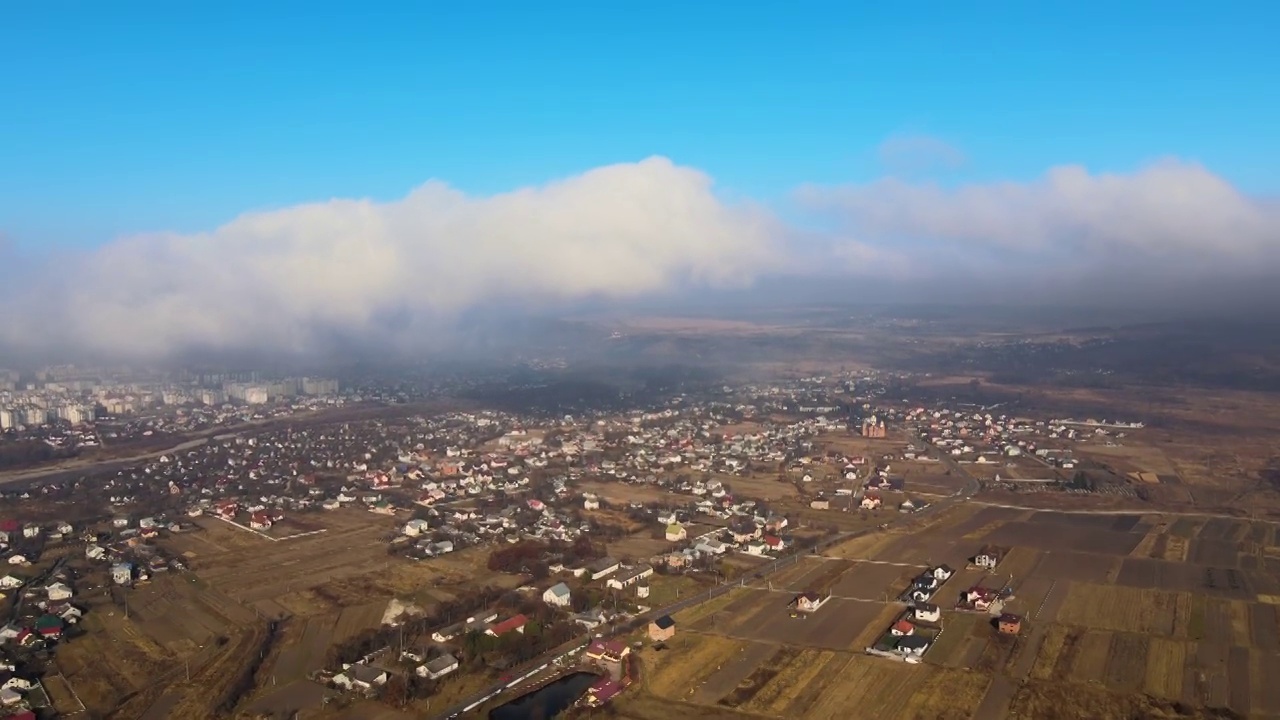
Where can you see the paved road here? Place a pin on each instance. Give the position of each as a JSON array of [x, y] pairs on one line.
[[763, 572]]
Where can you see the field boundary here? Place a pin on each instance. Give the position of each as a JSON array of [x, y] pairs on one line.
[[261, 534]]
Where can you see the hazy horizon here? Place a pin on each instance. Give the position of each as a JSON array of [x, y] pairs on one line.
[[246, 214]]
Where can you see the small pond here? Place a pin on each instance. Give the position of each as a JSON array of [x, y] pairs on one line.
[[547, 701]]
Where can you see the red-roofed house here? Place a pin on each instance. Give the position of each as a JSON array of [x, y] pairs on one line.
[[902, 627], [610, 651], [516, 623], [260, 520], [602, 691]]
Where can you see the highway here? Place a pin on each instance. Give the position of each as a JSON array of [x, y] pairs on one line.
[[971, 489]]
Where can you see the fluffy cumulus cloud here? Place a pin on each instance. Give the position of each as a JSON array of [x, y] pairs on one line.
[[287, 279], [1172, 219]]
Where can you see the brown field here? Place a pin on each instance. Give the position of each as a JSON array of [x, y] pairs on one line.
[[779, 694], [346, 565], [113, 659], [1076, 566], [1166, 660], [737, 677], [764, 616], [878, 688], [60, 694], [873, 581], [666, 589], [1152, 612], [639, 546], [866, 546], [947, 695], [623, 493], [680, 671], [758, 486]]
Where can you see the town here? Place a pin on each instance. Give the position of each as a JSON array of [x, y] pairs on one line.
[[455, 549]]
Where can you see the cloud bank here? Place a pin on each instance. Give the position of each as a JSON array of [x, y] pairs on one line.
[[297, 278], [1171, 221], [398, 274]]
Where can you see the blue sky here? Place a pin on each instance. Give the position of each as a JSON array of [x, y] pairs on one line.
[[117, 118]]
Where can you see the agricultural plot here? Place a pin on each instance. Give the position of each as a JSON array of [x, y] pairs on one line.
[[1075, 566], [765, 616], [1150, 612], [1052, 536], [874, 581]]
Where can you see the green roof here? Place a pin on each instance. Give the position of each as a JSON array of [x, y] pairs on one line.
[[49, 621]]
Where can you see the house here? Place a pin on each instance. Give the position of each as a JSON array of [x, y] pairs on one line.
[[515, 623], [360, 677], [609, 652], [122, 573], [416, 527], [756, 548], [988, 557], [17, 559], [942, 572], [774, 542], [807, 601], [820, 504], [870, 502], [1009, 624], [439, 667], [10, 697], [602, 691], [49, 626], [710, 547], [662, 629], [9, 582], [260, 520], [58, 591], [630, 576], [925, 612], [603, 566], [557, 595], [447, 633], [676, 533], [902, 627], [17, 683], [9, 529], [913, 645]]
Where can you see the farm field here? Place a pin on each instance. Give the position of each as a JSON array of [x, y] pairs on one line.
[[345, 565], [1137, 612]]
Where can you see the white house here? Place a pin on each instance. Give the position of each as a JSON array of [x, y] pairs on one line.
[[630, 576], [676, 533], [557, 595], [58, 592], [439, 667], [9, 582], [122, 573], [926, 612], [416, 527], [360, 677]]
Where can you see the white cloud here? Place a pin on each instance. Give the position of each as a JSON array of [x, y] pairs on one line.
[[283, 279], [1172, 218]]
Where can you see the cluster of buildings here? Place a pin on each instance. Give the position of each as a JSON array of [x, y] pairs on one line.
[[77, 397]]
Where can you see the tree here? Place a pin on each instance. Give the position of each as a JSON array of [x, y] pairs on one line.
[[396, 691]]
